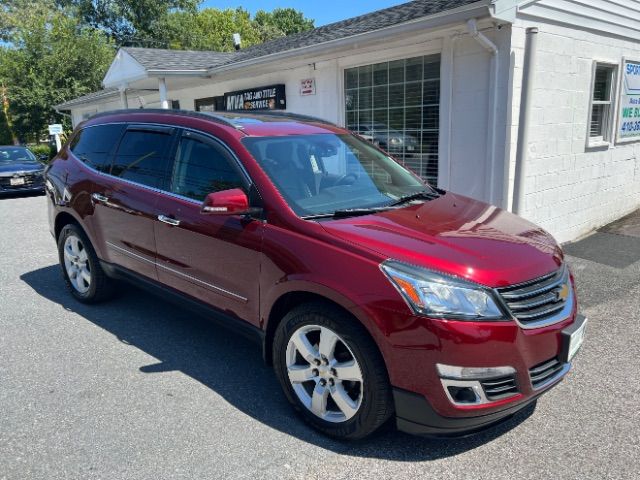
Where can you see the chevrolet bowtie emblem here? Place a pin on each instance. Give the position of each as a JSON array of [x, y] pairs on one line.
[[563, 293]]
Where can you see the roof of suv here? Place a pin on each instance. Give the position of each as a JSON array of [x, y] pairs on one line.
[[258, 123]]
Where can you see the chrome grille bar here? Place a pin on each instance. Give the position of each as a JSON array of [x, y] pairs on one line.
[[541, 301]]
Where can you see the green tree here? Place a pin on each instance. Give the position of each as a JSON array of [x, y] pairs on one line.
[[207, 29], [212, 29], [281, 22], [129, 22], [51, 57]]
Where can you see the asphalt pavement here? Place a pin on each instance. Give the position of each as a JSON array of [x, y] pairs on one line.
[[138, 388]]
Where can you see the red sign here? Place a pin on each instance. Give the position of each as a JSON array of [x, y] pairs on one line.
[[308, 86]]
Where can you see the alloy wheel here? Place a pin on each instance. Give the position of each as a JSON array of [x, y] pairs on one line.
[[324, 373], [76, 263]]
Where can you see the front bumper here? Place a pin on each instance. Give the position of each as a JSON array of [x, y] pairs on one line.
[[416, 416], [33, 187], [415, 413]]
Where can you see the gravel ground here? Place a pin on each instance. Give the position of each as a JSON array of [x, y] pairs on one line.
[[140, 389]]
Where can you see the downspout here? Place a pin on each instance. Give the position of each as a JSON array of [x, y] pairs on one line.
[[487, 44], [525, 118]]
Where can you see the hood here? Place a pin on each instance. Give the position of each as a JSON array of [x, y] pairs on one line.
[[11, 168], [456, 235]]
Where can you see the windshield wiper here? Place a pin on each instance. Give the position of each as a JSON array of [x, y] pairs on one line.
[[354, 212], [426, 194], [350, 212]]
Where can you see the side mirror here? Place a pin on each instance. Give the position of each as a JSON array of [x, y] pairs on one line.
[[226, 202], [43, 157]]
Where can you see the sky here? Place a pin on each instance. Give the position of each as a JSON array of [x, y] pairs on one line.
[[322, 11]]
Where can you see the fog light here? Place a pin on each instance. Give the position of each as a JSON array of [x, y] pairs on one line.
[[463, 394], [464, 385], [473, 373]]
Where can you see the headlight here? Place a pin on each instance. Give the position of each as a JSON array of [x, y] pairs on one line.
[[441, 296], [395, 141]]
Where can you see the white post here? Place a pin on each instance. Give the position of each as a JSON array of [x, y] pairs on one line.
[[491, 47], [58, 142], [123, 96], [446, 113], [162, 87]]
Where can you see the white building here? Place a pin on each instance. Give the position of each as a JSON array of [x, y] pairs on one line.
[[546, 124]]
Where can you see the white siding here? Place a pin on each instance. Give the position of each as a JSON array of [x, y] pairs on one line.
[[571, 189], [470, 171], [611, 17]]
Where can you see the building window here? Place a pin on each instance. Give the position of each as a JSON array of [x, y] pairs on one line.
[[396, 105], [601, 104], [209, 104]]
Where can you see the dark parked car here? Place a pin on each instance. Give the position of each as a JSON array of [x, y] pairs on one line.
[[20, 170], [374, 296], [389, 139]]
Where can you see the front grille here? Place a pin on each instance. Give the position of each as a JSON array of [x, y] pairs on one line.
[[498, 388], [538, 300], [544, 372]]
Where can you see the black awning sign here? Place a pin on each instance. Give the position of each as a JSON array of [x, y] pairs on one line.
[[261, 98]]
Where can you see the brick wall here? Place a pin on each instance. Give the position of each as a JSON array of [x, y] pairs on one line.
[[571, 188]]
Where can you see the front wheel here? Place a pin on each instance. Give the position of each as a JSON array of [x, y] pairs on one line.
[[332, 372]]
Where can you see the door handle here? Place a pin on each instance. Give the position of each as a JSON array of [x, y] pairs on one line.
[[99, 198], [169, 220]]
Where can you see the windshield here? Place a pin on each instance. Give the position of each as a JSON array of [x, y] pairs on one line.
[[323, 173], [15, 155]]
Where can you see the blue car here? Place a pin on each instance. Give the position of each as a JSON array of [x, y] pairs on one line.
[[20, 170]]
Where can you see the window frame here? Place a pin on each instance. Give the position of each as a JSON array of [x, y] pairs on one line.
[[207, 139], [170, 130], [251, 185], [607, 138]]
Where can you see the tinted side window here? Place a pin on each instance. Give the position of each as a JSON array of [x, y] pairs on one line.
[[95, 145], [201, 168], [143, 156]]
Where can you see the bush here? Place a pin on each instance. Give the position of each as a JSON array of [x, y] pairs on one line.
[[43, 149]]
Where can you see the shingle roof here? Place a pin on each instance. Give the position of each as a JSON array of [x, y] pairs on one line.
[[353, 26], [159, 59], [107, 92]]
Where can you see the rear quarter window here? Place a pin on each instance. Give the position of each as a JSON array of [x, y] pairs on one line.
[[95, 145]]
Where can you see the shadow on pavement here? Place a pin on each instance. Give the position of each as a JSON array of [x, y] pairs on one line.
[[232, 366]]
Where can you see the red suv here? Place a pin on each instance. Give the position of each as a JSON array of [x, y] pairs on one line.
[[374, 295]]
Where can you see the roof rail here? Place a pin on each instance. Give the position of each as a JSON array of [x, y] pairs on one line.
[[219, 117], [284, 115], [184, 113]]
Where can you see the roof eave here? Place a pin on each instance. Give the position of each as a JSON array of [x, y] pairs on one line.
[[67, 106], [480, 9], [169, 72]]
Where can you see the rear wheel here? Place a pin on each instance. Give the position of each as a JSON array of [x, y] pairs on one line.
[[81, 269], [331, 371]]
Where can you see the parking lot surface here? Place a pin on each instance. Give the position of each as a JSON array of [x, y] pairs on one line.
[[138, 388]]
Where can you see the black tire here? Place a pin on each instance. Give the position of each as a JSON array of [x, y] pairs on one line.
[[376, 405], [101, 287]]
